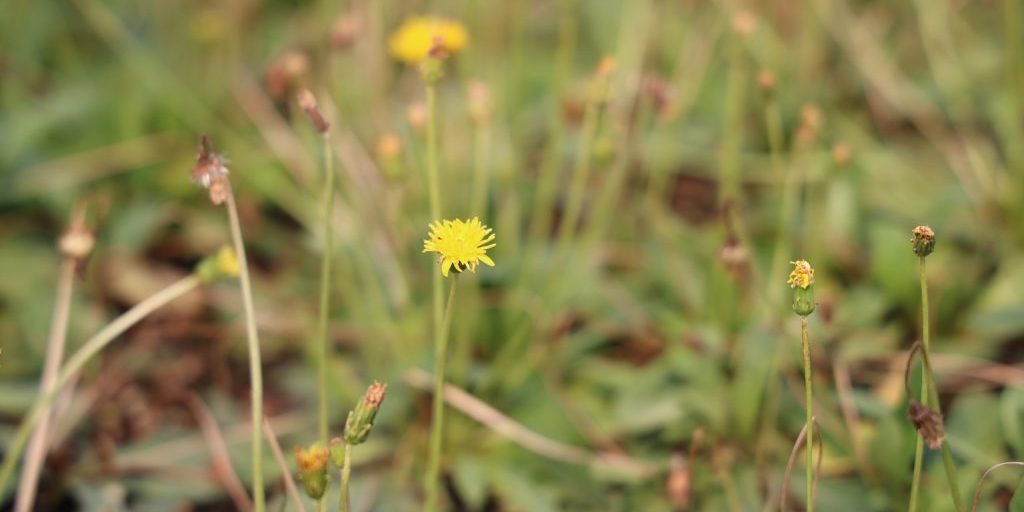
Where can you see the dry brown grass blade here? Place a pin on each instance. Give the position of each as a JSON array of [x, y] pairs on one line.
[[526, 438], [220, 461], [286, 473], [792, 458]]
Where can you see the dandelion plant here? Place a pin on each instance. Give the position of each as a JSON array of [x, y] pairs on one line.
[[801, 280]]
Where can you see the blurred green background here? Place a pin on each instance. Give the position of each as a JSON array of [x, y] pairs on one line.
[[653, 343]]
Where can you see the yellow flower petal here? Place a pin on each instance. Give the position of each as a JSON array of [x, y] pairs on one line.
[[460, 244]]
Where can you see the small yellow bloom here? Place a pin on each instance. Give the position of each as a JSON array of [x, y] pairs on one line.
[[312, 459], [461, 244], [416, 37], [227, 262], [802, 275]]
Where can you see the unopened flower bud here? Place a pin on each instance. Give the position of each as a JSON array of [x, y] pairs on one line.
[[744, 23], [841, 154], [416, 116], [312, 464], [679, 486], [923, 241], [801, 280], [345, 30], [222, 265], [388, 149], [77, 242], [285, 73], [360, 420], [307, 102], [928, 424], [479, 103], [766, 81]]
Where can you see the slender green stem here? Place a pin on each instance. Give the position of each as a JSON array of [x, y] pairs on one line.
[[481, 167], [346, 473], [78, 360], [578, 185], [929, 392], [547, 181], [437, 417], [325, 286], [433, 179], [915, 483], [806, 341], [255, 366], [54, 355], [325, 295], [434, 188], [933, 393]]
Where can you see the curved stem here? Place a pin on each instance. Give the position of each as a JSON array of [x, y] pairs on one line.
[[977, 492], [346, 473], [255, 366], [806, 341], [437, 416], [77, 361]]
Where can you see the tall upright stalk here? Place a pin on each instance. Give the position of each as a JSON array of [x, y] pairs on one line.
[[37, 446], [434, 188], [809, 396], [325, 296], [437, 412], [929, 392], [325, 287], [78, 360], [255, 365]]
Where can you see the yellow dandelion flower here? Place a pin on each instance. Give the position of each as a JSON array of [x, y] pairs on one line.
[[802, 275], [416, 37], [460, 244]]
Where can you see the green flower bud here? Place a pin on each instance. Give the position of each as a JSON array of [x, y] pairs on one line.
[[338, 452], [360, 420], [312, 464], [923, 241], [222, 265]]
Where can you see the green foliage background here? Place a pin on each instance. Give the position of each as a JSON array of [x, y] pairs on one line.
[[624, 343]]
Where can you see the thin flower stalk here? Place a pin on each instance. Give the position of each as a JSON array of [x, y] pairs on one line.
[[82, 356], [325, 293], [581, 170], [433, 474], [923, 244], [801, 280], [346, 475], [255, 364], [461, 246], [212, 173], [75, 244]]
